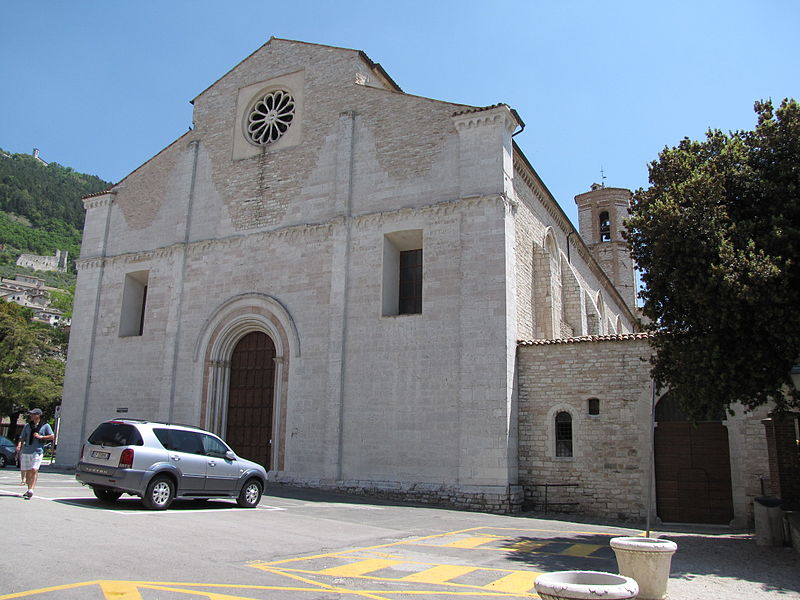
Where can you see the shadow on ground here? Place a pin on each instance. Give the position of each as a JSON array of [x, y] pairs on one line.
[[736, 557]]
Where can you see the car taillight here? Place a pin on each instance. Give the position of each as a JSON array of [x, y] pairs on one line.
[[126, 459], [83, 447]]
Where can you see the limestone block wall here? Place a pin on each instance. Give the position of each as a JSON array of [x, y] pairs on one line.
[[536, 290], [369, 401], [609, 464]]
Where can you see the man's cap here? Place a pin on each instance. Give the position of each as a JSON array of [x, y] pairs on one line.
[[35, 411]]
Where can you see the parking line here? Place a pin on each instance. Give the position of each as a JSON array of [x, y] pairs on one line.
[[518, 582], [471, 542], [359, 568], [582, 550], [439, 574]]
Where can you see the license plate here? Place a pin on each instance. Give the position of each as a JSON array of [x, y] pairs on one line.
[[98, 454]]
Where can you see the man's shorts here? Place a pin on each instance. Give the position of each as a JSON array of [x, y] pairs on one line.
[[30, 461]]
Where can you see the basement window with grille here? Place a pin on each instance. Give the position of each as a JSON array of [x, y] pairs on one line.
[[594, 406]]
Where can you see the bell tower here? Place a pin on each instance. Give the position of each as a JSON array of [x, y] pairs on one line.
[[601, 213]]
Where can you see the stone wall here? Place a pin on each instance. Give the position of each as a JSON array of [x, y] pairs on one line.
[[609, 462], [609, 468]]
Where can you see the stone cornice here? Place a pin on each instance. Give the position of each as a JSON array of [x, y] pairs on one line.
[[294, 233], [104, 199], [488, 116], [438, 209]]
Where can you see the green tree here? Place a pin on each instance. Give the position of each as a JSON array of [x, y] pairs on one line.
[[63, 300], [32, 358], [717, 239]]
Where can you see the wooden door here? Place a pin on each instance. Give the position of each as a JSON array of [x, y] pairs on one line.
[[693, 473], [251, 398]]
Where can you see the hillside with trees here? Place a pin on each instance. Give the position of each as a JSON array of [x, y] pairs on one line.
[[40, 208]]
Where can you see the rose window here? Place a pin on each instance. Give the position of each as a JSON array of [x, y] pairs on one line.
[[270, 117]]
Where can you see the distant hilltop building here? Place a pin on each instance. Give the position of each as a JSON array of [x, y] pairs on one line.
[[39, 158], [57, 262]]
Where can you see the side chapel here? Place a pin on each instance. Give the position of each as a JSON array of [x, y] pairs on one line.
[[372, 291]]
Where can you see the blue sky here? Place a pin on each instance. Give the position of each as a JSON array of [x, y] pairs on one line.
[[103, 86]]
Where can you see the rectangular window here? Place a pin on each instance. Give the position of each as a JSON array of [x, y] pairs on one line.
[[563, 435], [134, 302], [410, 294], [402, 273]]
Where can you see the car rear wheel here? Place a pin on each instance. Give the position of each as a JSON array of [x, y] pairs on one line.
[[106, 495], [250, 495], [159, 494]]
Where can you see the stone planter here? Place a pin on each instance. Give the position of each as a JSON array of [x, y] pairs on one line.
[[584, 585], [646, 560]]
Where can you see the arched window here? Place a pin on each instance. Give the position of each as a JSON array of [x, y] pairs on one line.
[[563, 434], [605, 227]]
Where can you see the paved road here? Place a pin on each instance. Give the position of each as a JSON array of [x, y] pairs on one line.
[[309, 545]]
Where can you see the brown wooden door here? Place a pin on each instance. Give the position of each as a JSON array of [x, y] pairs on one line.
[[251, 398], [693, 473]]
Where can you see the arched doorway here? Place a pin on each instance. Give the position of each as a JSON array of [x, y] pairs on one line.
[[251, 398], [692, 467]]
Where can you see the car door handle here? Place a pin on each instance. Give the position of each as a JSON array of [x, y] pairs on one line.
[[212, 463], [175, 457]]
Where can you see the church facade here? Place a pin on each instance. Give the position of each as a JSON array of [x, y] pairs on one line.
[[335, 276]]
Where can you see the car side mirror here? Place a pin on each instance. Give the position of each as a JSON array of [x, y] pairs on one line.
[[229, 455]]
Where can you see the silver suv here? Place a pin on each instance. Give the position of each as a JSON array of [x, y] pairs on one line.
[[160, 462]]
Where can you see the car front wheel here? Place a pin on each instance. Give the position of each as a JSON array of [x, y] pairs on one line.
[[106, 495], [159, 494], [250, 495], [3, 461]]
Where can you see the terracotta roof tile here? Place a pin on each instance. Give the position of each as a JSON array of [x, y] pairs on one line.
[[588, 338]]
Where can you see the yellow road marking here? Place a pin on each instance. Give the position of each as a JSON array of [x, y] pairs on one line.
[[439, 574], [517, 582], [120, 590], [359, 568], [581, 549], [527, 546], [470, 542]]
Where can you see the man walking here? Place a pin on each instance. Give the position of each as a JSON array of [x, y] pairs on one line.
[[34, 436]]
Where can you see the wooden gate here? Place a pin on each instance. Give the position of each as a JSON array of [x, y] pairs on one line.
[[251, 398], [693, 472]]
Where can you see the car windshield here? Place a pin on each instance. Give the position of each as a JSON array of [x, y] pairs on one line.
[[116, 434], [4, 441]]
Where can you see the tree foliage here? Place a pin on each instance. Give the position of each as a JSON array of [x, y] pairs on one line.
[[32, 358], [40, 207], [717, 239], [43, 192]]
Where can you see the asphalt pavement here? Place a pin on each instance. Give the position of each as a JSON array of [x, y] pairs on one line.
[[313, 545]]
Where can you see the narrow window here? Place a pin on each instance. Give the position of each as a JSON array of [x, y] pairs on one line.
[[563, 434], [402, 273], [605, 227], [134, 300], [410, 293], [594, 406]]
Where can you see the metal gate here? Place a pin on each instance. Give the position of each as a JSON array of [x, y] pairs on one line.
[[251, 398]]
